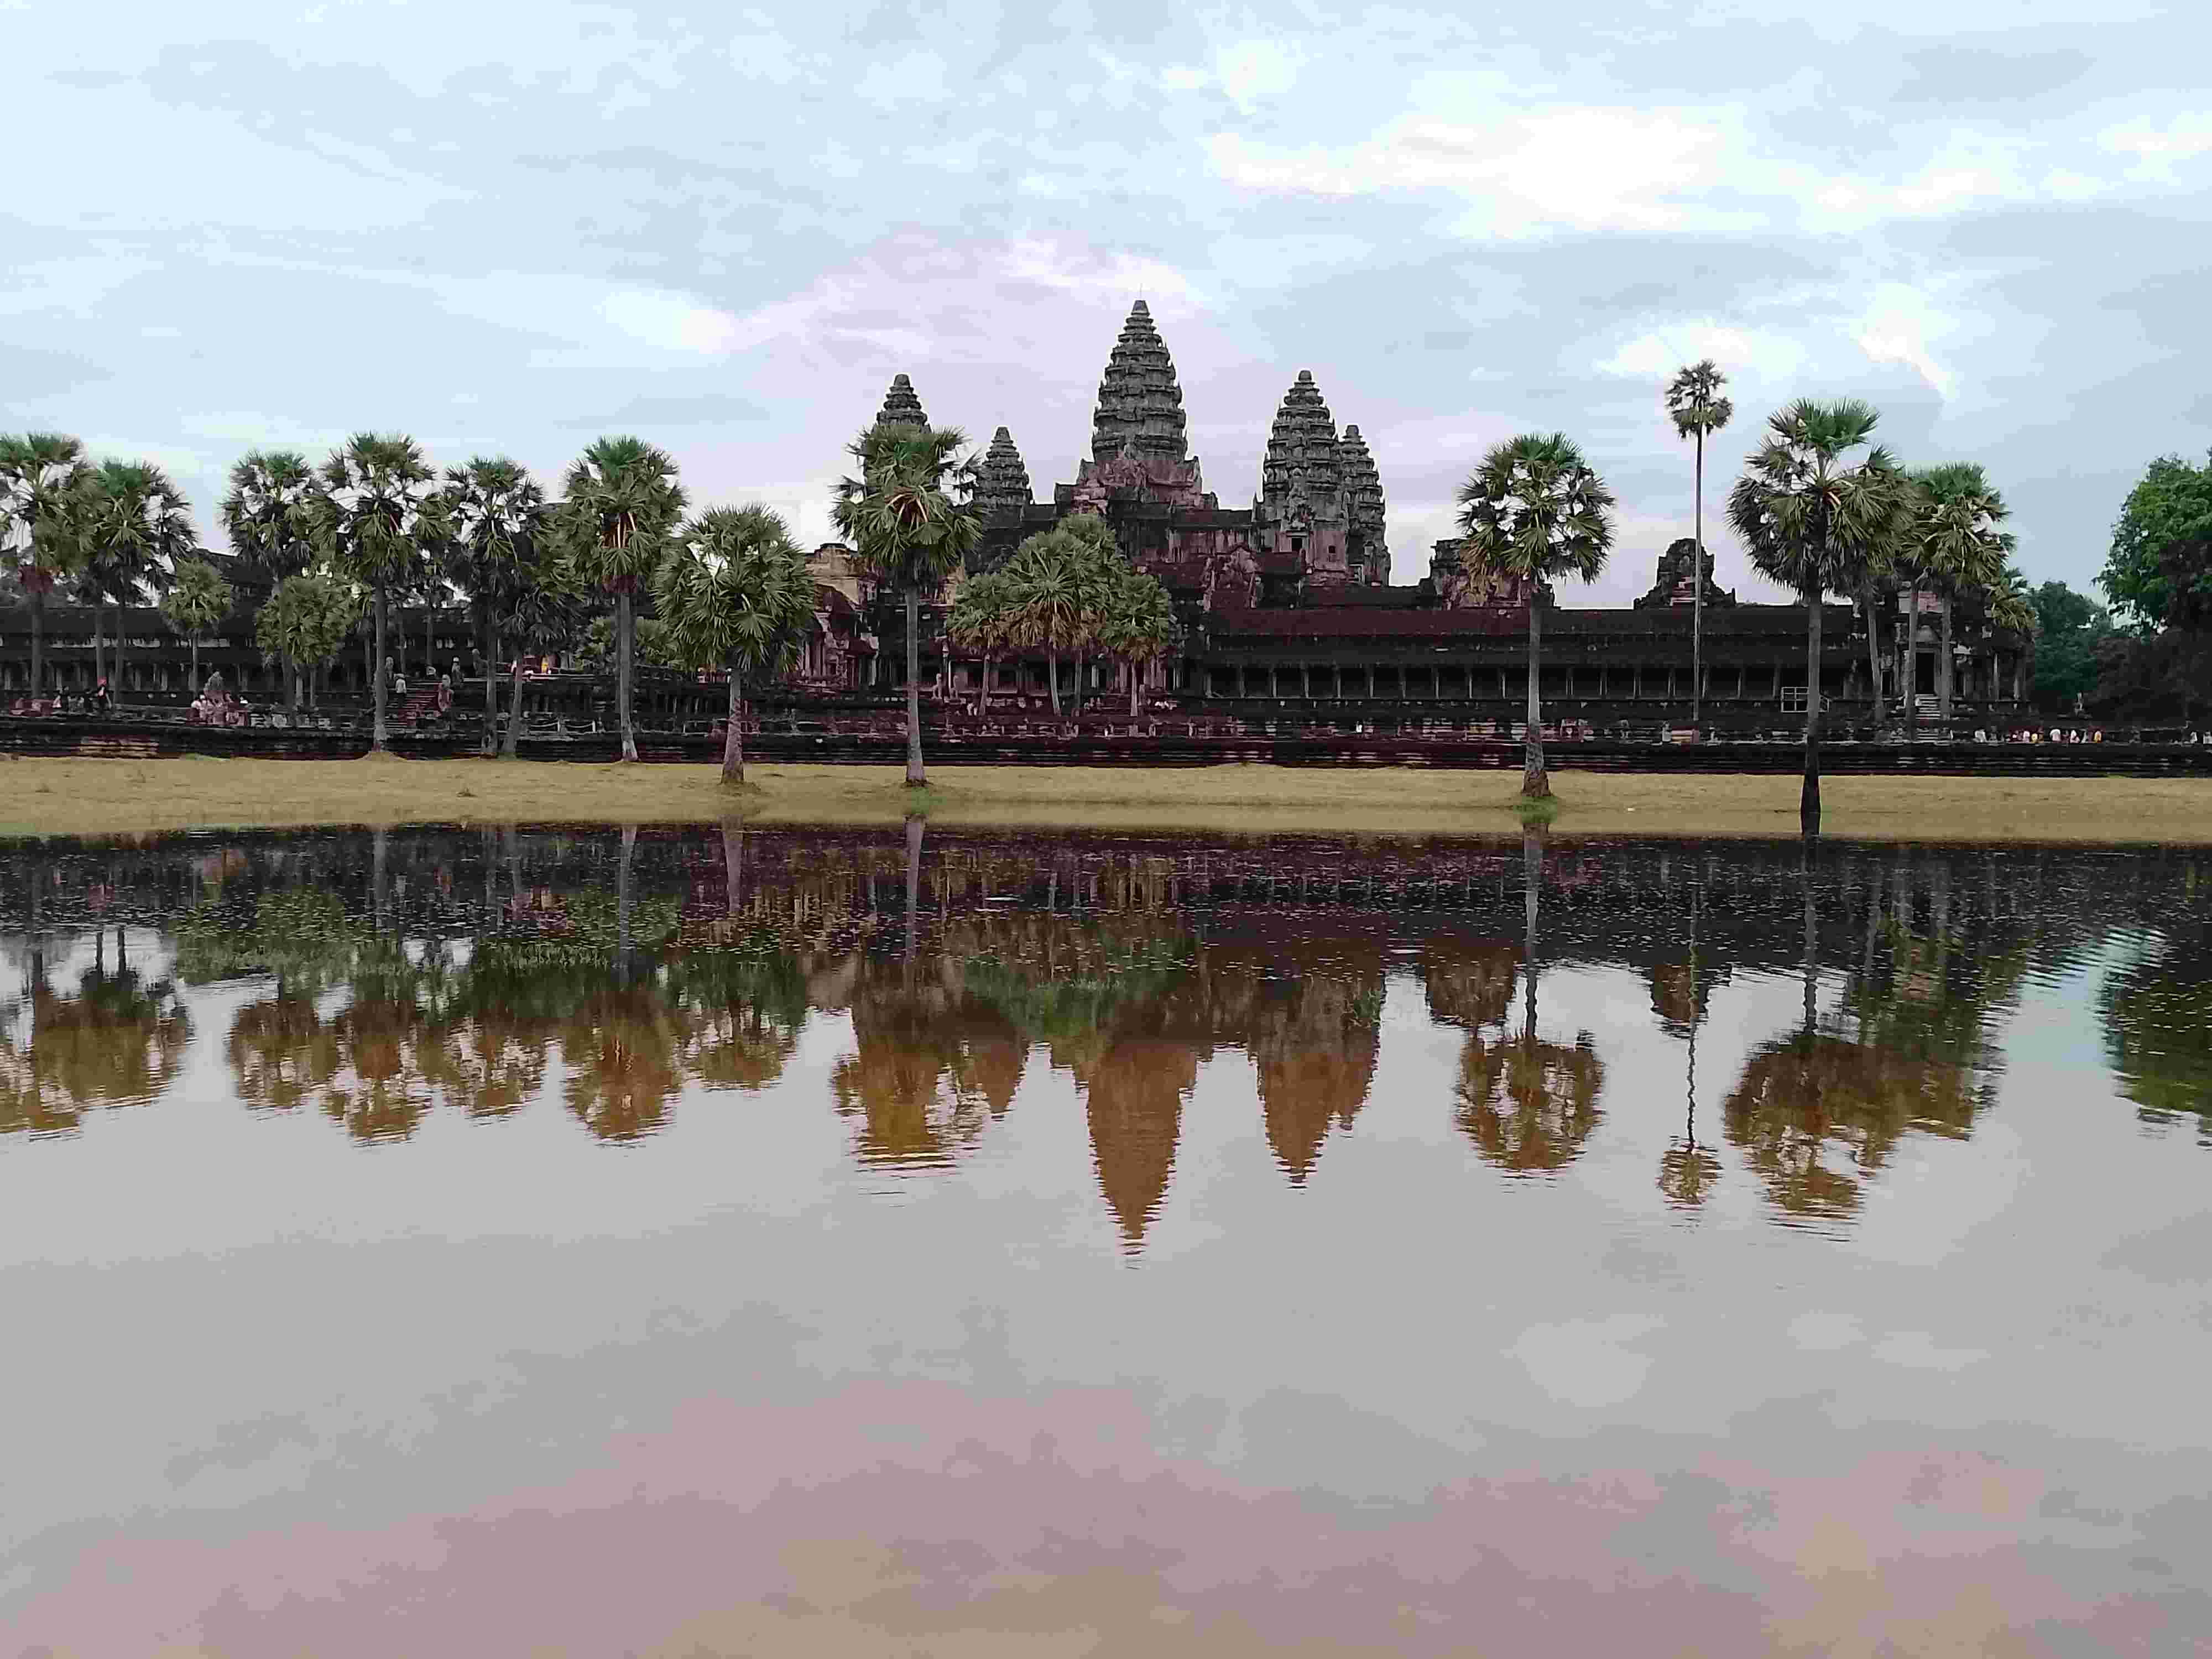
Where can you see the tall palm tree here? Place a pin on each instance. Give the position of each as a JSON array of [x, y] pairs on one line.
[[45, 499], [1960, 539], [196, 601], [1059, 581], [376, 516], [735, 595], [140, 529], [621, 503], [496, 518], [1535, 509], [1697, 407], [910, 515], [1815, 523]]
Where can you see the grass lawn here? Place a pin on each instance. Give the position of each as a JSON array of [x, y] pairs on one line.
[[114, 797]]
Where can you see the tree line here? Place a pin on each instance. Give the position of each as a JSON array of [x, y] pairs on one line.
[[1814, 513]]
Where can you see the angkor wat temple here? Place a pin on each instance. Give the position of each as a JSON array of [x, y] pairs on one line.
[[1286, 606]]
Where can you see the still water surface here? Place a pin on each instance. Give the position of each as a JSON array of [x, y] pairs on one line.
[[699, 1242]]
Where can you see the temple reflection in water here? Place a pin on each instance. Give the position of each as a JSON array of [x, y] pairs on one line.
[[623, 977]]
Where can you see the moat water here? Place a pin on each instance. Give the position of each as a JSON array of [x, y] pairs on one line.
[[701, 1242]]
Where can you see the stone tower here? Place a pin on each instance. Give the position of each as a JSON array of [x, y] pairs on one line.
[[1367, 551], [1002, 485], [1301, 510], [1138, 450], [901, 406]]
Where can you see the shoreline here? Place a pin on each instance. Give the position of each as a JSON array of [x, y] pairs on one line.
[[75, 797]]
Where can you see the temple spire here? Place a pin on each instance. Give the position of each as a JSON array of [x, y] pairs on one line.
[[1302, 465], [901, 406], [1139, 405], [1002, 484]]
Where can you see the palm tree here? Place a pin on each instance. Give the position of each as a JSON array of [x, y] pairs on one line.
[[736, 596], [982, 621], [622, 504], [376, 515], [1959, 541], [140, 528], [1533, 509], [45, 498], [496, 518], [1138, 626], [269, 513], [1816, 524], [196, 601], [1062, 582], [305, 624], [911, 518], [1695, 401]]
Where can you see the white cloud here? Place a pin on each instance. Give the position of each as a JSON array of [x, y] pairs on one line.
[[1254, 72], [1762, 353], [918, 77], [1900, 327], [669, 322]]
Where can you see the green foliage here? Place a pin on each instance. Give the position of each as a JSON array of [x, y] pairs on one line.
[[620, 504], [2069, 630], [2158, 571], [197, 599], [376, 512], [1534, 507], [494, 514], [734, 594], [1059, 583], [306, 620], [1812, 522], [137, 529], [1958, 539], [1694, 400], [269, 513], [907, 513], [47, 496]]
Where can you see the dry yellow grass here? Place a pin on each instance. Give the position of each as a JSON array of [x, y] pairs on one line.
[[115, 797]]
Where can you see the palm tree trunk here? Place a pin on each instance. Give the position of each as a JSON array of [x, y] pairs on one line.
[[915, 776], [1943, 669], [1698, 603], [1052, 676], [1536, 784], [1809, 800], [1135, 683], [99, 630], [378, 738], [491, 682], [733, 742], [38, 628], [115, 656], [196, 660], [514, 711], [1908, 658], [1873, 656], [625, 668], [983, 689]]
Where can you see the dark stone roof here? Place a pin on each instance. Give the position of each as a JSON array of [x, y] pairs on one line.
[[1784, 623]]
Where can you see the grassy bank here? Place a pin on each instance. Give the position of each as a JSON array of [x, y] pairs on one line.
[[108, 797]]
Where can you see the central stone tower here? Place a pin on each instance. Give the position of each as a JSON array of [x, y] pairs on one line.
[[1138, 450]]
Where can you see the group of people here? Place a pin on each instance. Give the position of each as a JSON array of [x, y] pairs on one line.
[[97, 701], [214, 705]]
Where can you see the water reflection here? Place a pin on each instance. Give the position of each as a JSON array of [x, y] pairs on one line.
[[390, 976]]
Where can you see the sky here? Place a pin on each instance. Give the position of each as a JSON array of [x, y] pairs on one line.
[[511, 229]]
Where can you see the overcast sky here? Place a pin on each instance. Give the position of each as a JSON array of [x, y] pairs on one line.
[[511, 229]]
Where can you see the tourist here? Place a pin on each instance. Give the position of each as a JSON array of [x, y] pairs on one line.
[[101, 701]]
